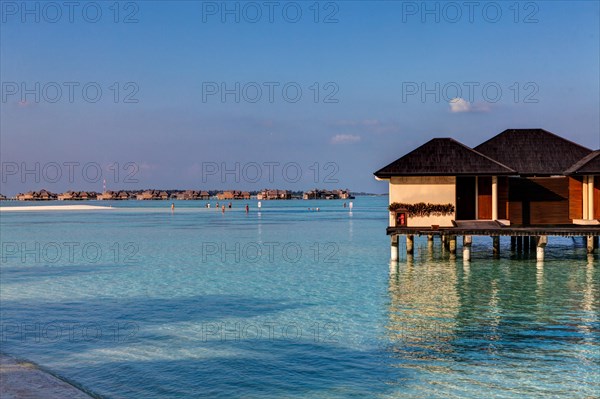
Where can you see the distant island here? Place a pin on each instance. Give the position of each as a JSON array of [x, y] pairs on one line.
[[154, 194]]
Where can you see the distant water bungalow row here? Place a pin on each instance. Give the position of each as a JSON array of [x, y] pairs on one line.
[[158, 195], [523, 183], [327, 194]]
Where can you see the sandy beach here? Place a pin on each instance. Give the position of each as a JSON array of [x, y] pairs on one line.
[[20, 379], [35, 208]]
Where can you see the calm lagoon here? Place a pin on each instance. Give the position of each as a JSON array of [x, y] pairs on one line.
[[142, 302]]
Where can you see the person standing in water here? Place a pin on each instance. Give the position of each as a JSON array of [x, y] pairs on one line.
[[247, 208], [172, 206], [229, 206], [223, 209]]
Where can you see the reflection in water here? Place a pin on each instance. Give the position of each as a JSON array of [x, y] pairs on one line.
[[539, 279], [350, 227], [259, 227], [466, 270], [587, 304], [393, 268], [423, 330], [495, 329], [410, 260]]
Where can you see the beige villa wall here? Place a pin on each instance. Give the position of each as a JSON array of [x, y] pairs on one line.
[[428, 189]]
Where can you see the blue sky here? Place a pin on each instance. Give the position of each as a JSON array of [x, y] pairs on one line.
[[542, 56]]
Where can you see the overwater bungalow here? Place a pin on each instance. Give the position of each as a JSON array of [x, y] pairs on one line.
[[187, 195], [45, 195], [225, 195], [233, 195], [42, 195], [87, 195], [107, 195], [123, 195], [520, 183], [148, 195], [28, 196], [77, 196], [327, 194], [273, 195], [67, 196]]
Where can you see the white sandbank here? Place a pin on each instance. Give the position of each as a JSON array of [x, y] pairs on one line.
[[53, 208], [22, 379]]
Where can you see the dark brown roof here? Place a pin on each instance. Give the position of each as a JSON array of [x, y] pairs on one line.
[[533, 151], [589, 165], [443, 157]]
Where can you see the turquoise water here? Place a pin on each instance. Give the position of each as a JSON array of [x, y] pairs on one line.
[[139, 302]]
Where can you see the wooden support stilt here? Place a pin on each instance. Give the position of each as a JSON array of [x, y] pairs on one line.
[[467, 241], [541, 246], [526, 244], [590, 244], [496, 246], [394, 248], [452, 244], [532, 242], [513, 243], [519, 244]]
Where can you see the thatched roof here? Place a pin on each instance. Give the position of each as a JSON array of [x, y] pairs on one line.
[[533, 151], [443, 157], [588, 165]]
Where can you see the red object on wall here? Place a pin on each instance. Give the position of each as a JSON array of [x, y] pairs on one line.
[[400, 219]]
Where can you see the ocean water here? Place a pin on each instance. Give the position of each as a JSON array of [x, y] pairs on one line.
[[142, 302]]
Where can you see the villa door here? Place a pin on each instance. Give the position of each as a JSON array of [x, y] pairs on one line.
[[484, 198], [465, 198]]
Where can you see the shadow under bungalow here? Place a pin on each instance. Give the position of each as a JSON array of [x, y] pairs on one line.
[[524, 183]]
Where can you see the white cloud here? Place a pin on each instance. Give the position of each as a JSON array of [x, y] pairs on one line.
[[344, 138], [460, 105]]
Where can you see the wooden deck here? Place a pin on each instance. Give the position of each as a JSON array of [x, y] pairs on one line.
[[494, 229]]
